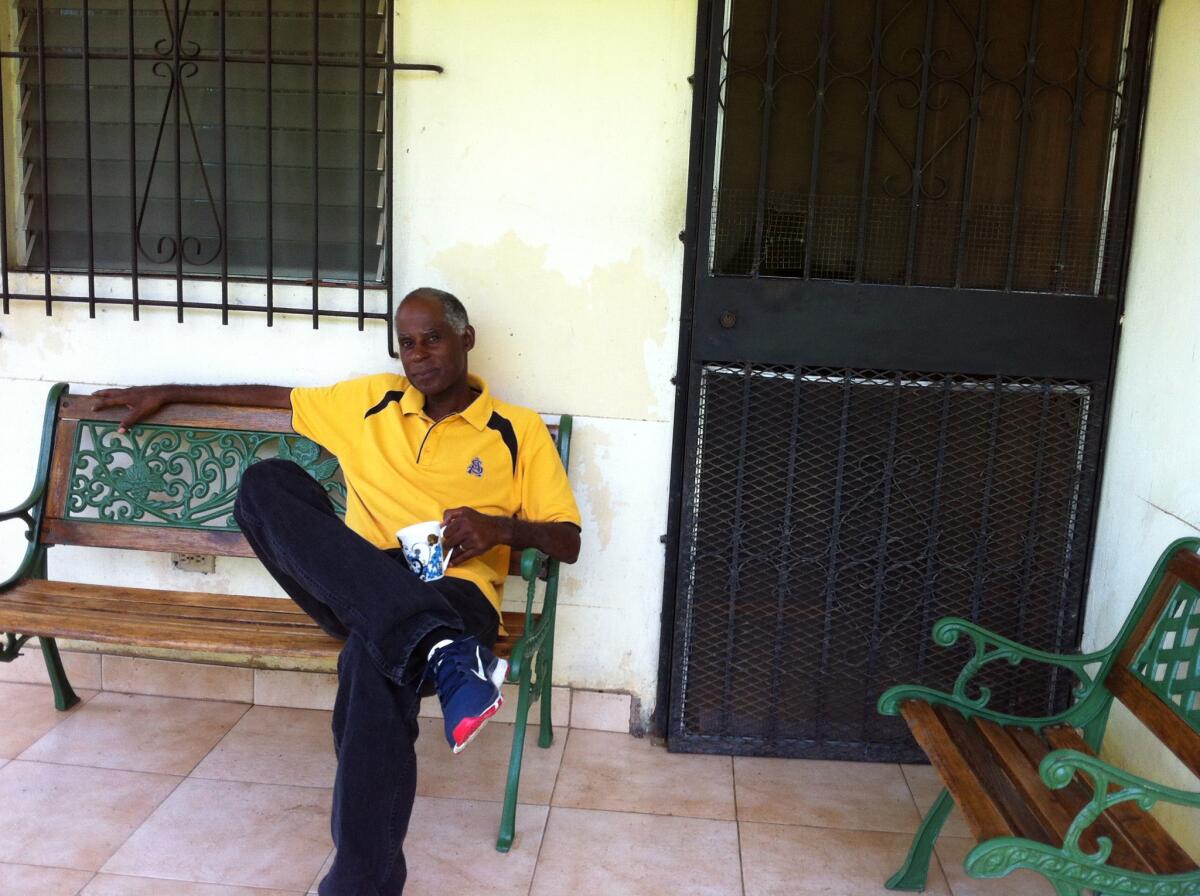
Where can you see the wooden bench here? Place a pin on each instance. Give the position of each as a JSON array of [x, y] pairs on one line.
[[1032, 790], [169, 485]]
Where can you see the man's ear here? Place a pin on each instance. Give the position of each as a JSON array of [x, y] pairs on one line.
[[468, 338]]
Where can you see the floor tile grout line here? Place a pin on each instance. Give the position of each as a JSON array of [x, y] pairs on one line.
[[83, 886], [537, 859], [737, 821], [220, 740], [315, 882], [562, 760], [141, 824]]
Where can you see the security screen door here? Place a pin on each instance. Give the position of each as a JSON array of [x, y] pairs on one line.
[[912, 227]]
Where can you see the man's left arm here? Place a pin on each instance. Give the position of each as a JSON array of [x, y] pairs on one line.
[[471, 533]]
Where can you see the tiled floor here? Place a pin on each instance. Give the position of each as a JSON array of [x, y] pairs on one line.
[[131, 795]]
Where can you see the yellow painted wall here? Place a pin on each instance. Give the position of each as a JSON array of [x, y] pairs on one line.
[[1151, 490]]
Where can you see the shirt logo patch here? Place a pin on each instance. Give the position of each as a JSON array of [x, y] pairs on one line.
[[476, 468]]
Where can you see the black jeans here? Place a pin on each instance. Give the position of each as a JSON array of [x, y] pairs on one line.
[[370, 598]]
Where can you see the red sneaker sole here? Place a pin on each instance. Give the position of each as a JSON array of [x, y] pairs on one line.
[[465, 731]]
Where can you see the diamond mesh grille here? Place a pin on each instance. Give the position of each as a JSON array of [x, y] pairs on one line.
[[834, 515]]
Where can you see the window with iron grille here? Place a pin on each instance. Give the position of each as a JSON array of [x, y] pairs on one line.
[[199, 139]]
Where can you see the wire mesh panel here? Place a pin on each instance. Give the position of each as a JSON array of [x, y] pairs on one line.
[[835, 514]]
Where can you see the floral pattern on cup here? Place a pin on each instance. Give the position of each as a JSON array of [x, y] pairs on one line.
[[424, 550]]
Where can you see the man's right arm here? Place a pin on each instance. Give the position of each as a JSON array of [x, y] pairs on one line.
[[143, 401]]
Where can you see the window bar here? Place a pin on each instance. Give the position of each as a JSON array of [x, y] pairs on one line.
[[1076, 120], [889, 483], [362, 160], [872, 116], [835, 531], [177, 84], [270, 185], [964, 214], [735, 547], [822, 66], [316, 165], [1034, 502], [783, 580], [221, 11], [3, 195], [764, 148], [133, 184], [985, 502], [919, 149], [87, 152], [932, 534], [387, 180], [1026, 111], [45, 156]]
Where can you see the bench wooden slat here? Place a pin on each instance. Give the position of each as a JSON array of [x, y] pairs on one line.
[[983, 815], [145, 538], [1073, 798], [179, 620], [1138, 831], [149, 610], [1022, 820], [1021, 770], [1171, 728], [125, 594], [198, 416], [60, 468], [111, 628]]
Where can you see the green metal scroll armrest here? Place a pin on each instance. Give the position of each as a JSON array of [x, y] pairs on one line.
[[990, 648], [1058, 769], [532, 563], [22, 509], [25, 511], [30, 510]]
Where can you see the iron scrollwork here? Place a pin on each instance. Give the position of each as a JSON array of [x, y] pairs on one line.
[[177, 476], [177, 65], [973, 699], [1071, 868]]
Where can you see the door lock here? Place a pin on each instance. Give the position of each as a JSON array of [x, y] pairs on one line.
[[728, 320]]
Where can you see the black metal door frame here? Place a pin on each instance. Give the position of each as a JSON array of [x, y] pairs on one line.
[[851, 313]]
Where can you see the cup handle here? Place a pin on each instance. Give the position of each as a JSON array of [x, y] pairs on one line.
[[445, 556]]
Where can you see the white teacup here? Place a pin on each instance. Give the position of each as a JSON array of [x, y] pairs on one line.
[[424, 550]]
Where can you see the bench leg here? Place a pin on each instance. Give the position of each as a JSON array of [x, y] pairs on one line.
[[545, 662], [64, 696], [508, 812], [913, 872]]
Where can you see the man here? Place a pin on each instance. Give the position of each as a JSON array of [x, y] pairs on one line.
[[432, 444]]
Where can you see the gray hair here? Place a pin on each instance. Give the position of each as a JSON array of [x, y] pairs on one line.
[[452, 308]]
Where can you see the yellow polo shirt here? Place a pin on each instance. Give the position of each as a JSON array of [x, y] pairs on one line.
[[403, 468]]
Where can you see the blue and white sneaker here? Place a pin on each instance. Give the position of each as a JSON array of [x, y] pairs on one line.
[[467, 677]]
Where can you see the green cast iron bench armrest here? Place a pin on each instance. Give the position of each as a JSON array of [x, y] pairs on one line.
[[22, 509], [533, 562], [991, 647], [1059, 768], [25, 511]]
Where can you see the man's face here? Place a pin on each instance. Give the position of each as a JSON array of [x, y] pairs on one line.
[[433, 355]]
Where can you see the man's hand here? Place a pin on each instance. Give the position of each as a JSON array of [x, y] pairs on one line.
[[471, 533], [142, 401]]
